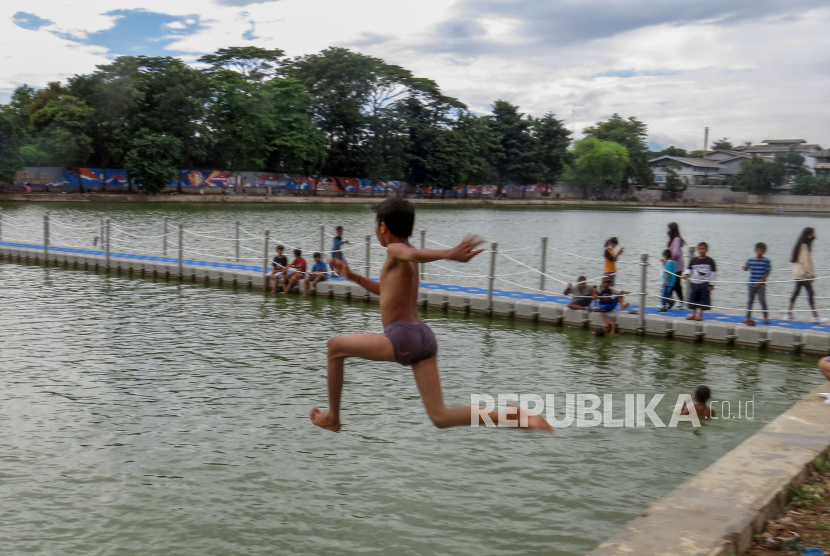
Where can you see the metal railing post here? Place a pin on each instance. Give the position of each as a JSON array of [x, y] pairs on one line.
[[46, 237], [542, 264], [181, 251], [1, 224], [492, 278], [323, 241], [423, 244], [164, 240], [642, 315], [107, 243], [688, 282], [236, 243], [265, 252], [368, 265], [101, 233]]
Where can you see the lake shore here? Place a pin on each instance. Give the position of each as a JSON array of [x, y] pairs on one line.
[[326, 200]]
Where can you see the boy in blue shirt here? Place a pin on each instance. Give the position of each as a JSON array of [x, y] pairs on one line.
[[337, 244], [669, 279], [319, 272], [759, 268]]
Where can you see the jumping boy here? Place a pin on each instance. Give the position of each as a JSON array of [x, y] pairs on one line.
[[759, 268], [405, 338], [701, 273], [607, 298], [319, 272]]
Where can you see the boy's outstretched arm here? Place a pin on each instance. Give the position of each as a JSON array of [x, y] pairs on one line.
[[343, 270], [462, 252]]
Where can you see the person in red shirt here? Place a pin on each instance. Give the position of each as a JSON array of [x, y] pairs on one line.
[[295, 272]]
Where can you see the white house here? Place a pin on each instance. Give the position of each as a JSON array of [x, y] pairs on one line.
[[729, 160], [693, 171], [772, 147]]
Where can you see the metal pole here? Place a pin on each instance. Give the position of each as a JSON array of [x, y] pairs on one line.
[[323, 241], [643, 267], [46, 237], [542, 265], [101, 233], [237, 241], [164, 241], [107, 242], [688, 282], [368, 266], [265, 266], [1, 224], [423, 244], [181, 251], [492, 279]]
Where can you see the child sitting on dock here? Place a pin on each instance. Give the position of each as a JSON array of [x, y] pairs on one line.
[[405, 338], [701, 396], [319, 272], [279, 264], [582, 295], [607, 298], [295, 272], [759, 267], [669, 279], [701, 273]]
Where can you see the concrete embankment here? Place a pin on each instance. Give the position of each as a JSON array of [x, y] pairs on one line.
[[717, 512], [765, 207]]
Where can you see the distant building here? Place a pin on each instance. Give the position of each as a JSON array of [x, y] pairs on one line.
[[729, 160], [692, 171], [771, 147], [822, 161]]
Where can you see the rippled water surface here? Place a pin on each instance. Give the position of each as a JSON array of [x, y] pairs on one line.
[[146, 418]]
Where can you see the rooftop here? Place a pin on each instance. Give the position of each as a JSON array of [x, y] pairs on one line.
[[783, 141], [688, 161]]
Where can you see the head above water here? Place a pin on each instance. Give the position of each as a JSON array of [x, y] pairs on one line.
[[702, 394], [395, 219]]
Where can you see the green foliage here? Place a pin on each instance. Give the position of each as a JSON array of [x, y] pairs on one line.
[[791, 160], [674, 185], [808, 184], [598, 165], [631, 134], [552, 141], [252, 62], [671, 151], [722, 144], [758, 176], [152, 160], [514, 158]]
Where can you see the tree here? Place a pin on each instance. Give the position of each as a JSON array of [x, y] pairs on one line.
[[514, 160], [153, 160], [758, 176], [631, 134], [671, 151], [252, 62], [598, 165], [552, 142], [722, 144], [14, 132], [808, 184], [674, 185]]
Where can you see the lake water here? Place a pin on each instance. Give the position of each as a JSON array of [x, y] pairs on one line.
[[576, 239], [149, 418]]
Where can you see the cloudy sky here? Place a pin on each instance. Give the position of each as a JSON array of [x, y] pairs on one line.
[[748, 69]]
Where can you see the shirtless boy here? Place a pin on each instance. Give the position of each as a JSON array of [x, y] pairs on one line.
[[405, 338]]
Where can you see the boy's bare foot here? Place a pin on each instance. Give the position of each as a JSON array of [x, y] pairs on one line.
[[749, 322], [324, 420], [624, 306], [691, 317], [699, 318]]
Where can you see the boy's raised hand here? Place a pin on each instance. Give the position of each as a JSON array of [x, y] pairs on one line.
[[466, 250], [340, 266]]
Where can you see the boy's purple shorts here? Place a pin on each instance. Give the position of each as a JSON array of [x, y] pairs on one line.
[[412, 342]]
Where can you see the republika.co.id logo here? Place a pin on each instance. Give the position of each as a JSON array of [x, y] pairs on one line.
[[591, 410]]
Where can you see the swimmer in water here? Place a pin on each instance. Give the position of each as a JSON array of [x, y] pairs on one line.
[[703, 411], [405, 338]]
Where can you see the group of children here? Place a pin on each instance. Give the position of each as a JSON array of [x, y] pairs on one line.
[[292, 274]]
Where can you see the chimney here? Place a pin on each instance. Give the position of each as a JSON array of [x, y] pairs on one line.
[[705, 142]]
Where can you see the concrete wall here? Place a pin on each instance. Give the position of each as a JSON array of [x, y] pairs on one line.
[[715, 195]]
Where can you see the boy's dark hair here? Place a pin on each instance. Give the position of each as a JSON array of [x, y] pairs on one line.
[[761, 245], [703, 244], [316, 255], [667, 253], [580, 279], [702, 394], [280, 247], [611, 241], [398, 214], [339, 228], [297, 252]]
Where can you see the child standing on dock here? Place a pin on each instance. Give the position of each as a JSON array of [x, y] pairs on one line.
[[759, 268], [337, 244], [610, 268], [669, 280], [702, 274], [405, 338]]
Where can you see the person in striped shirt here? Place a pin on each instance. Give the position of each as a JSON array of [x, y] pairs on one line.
[[759, 268]]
